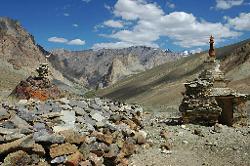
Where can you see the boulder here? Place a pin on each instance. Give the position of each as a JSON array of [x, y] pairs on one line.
[[63, 149], [18, 158]]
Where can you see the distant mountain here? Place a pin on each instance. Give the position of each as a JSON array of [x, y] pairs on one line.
[[19, 54], [17, 46], [106, 66], [161, 86]]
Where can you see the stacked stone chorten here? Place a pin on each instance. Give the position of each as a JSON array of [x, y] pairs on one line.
[[37, 87], [207, 99]]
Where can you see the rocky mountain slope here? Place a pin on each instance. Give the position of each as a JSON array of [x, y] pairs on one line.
[[17, 46], [106, 66], [19, 55], [161, 86]]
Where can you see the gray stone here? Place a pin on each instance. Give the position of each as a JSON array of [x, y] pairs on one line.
[[64, 101], [85, 150], [95, 107], [82, 104], [44, 136], [68, 118], [89, 120], [8, 125], [80, 119], [19, 122], [26, 115], [100, 124], [39, 126], [13, 137], [51, 115], [66, 107], [80, 111], [56, 107], [1, 139], [98, 117], [98, 101], [58, 160], [4, 114], [115, 117], [5, 131], [113, 151], [90, 127], [23, 143], [42, 108]]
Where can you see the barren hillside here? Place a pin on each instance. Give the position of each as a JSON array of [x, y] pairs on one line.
[[161, 86]]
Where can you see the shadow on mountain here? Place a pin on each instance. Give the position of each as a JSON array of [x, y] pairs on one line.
[[127, 92]]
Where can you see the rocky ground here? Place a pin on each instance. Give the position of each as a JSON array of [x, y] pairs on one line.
[[185, 145], [69, 132], [97, 132]]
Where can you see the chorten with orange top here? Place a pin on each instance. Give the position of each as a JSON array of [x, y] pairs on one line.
[[208, 99]]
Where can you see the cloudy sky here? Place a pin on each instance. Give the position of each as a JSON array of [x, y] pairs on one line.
[[174, 24]]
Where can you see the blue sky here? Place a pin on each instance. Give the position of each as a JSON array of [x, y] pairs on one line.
[[174, 24]]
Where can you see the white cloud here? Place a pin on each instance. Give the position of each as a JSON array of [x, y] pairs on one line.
[[118, 45], [109, 8], [135, 9], [66, 14], [75, 25], [227, 4], [87, 1], [151, 23], [113, 24], [170, 5], [242, 22], [197, 50], [57, 40], [115, 45], [66, 41], [76, 42]]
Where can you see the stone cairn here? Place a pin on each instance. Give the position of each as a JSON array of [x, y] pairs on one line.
[[198, 106], [37, 87], [43, 70], [85, 132]]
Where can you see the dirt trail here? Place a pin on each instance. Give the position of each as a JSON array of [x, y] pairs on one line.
[[192, 145]]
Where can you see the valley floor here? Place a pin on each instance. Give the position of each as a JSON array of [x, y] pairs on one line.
[[192, 145]]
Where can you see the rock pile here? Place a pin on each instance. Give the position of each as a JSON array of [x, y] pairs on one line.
[[69, 132], [197, 105], [37, 87]]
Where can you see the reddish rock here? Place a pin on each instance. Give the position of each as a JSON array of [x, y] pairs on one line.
[[141, 137], [132, 124], [36, 88], [85, 163], [164, 134], [98, 161], [108, 139], [19, 158], [128, 149], [23, 143], [166, 145], [72, 137], [123, 162], [63, 149], [38, 149], [74, 159]]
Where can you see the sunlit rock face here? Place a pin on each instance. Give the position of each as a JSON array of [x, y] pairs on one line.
[[107, 66]]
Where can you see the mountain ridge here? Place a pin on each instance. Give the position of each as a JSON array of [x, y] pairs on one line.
[[161, 86], [99, 67], [20, 55]]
